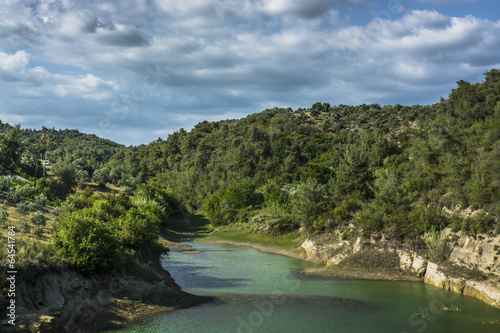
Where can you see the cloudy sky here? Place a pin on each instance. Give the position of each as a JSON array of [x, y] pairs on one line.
[[133, 71]]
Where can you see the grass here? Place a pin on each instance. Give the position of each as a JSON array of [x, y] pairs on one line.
[[30, 249], [239, 234], [451, 308]]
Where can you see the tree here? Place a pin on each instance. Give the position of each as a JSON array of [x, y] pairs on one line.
[[10, 148], [102, 177]]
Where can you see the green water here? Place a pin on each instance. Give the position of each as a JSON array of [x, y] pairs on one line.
[[261, 292]]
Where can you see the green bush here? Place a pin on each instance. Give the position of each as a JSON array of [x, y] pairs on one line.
[[86, 242], [138, 231], [4, 183], [38, 231], [480, 223], [3, 214], [437, 245], [38, 219], [424, 218], [24, 226], [39, 203], [22, 208]]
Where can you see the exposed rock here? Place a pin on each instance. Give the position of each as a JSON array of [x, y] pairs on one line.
[[434, 276], [481, 253]]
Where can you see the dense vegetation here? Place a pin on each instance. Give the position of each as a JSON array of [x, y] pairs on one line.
[[73, 157], [401, 170], [391, 168]]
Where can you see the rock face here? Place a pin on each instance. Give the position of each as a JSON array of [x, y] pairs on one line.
[[65, 301], [480, 253], [488, 292]]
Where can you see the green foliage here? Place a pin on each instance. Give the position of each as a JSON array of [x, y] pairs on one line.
[[3, 214], [424, 218], [309, 201], [24, 225], [4, 183], [102, 176], [39, 203], [92, 230], [38, 219], [22, 208], [241, 195], [437, 245], [19, 193], [137, 228], [480, 223], [38, 231], [86, 241]]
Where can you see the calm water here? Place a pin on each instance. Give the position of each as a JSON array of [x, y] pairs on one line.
[[261, 292]]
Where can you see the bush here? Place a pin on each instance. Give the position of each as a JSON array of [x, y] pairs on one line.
[[480, 223], [38, 203], [38, 232], [4, 183], [20, 193], [24, 226], [138, 231], [22, 208], [38, 219], [3, 214], [437, 245], [86, 242]]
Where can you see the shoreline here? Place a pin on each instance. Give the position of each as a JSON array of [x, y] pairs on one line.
[[330, 271]]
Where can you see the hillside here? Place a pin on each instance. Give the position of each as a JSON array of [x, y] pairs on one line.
[[399, 169]]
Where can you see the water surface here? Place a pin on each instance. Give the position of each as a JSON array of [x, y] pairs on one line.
[[261, 292]]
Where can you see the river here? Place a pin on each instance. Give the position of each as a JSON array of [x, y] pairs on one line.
[[262, 292]]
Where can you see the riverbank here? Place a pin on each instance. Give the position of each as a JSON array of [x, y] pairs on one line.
[[290, 245], [472, 269], [60, 300]]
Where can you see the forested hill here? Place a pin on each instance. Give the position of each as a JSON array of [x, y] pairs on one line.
[[66, 149], [391, 168]]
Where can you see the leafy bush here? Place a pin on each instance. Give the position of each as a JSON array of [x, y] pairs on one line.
[[20, 193], [22, 208], [38, 231], [3, 214], [4, 183], [24, 226], [437, 245], [38, 219], [138, 231], [86, 242], [39, 203], [480, 223]]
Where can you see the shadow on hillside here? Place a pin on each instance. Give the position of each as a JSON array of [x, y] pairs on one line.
[[186, 227]]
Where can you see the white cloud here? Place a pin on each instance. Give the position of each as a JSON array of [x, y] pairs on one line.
[[12, 63], [211, 58]]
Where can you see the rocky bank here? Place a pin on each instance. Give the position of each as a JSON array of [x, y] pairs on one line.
[[63, 301], [473, 266]]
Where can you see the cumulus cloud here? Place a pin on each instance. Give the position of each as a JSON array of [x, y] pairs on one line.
[[134, 66]]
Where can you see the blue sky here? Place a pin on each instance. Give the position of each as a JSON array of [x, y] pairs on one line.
[[133, 71]]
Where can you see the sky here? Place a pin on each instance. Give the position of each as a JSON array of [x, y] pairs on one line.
[[134, 71]]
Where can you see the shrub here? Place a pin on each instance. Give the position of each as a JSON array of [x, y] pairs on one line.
[[3, 214], [480, 223], [86, 242], [437, 245], [38, 232], [22, 208], [24, 226], [138, 231], [38, 219], [4, 183], [38, 203]]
